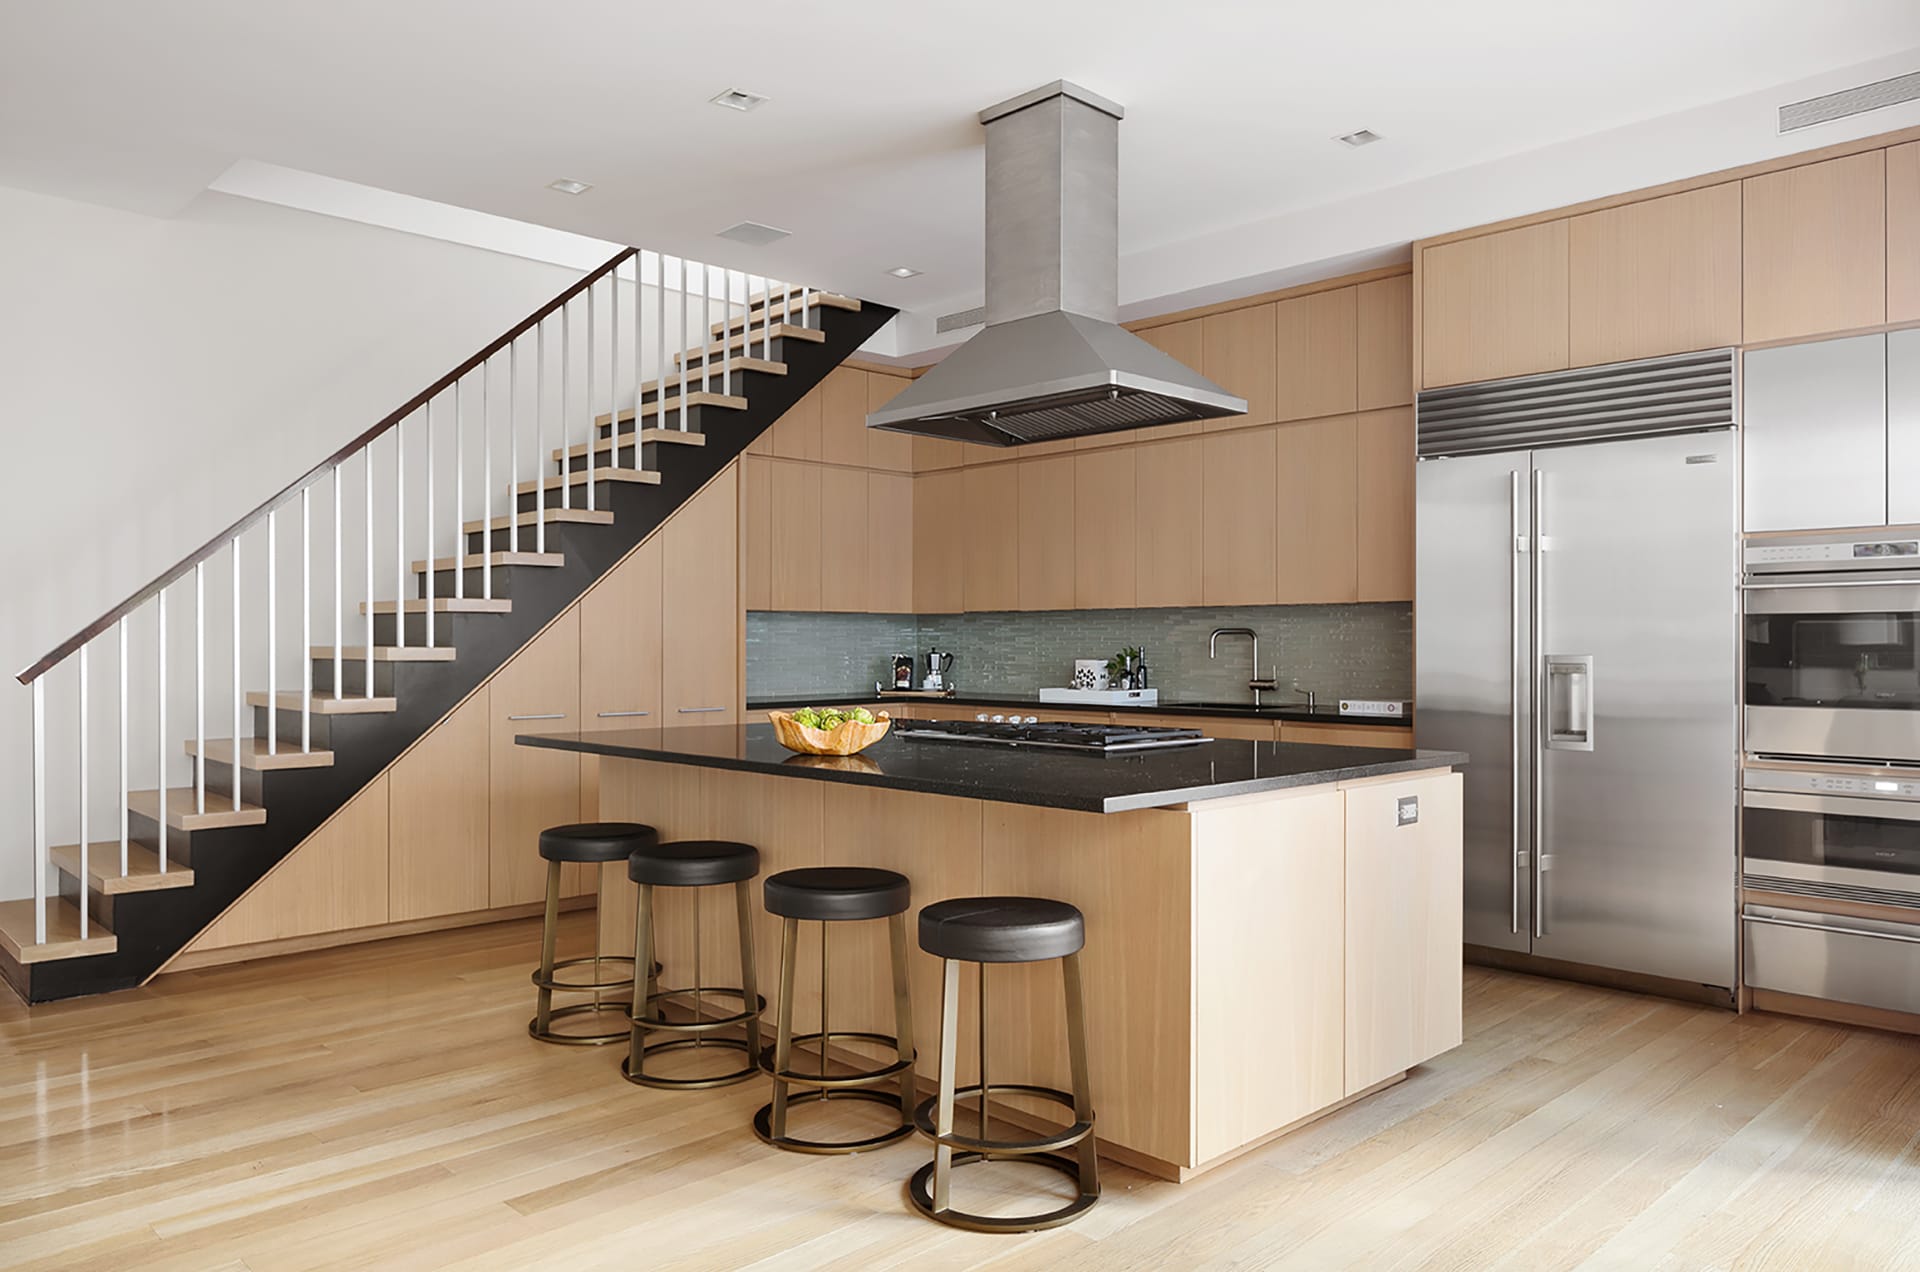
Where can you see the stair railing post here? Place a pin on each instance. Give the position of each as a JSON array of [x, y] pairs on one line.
[[486, 483], [613, 379], [766, 322], [459, 489], [85, 875], [513, 447], [400, 534], [566, 403], [339, 625], [40, 811], [686, 351], [539, 438], [706, 327], [121, 625], [806, 306], [726, 341], [639, 361], [306, 618], [273, 628], [566, 461], [160, 719], [367, 509], [238, 698], [200, 687], [427, 470]]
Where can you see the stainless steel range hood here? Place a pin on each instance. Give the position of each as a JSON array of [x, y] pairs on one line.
[[1052, 363]]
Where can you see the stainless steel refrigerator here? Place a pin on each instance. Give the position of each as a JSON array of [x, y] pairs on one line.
[[1576, 620]]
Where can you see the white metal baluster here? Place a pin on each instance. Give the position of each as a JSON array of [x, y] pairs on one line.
[[40, 810], [429, 523], [400, 534], [766, 320], [273, 629], [660, 340], [367, 508], [706, 327], [513, 447], [539, 437], [726, 341], [459, 492], [806, 306], [339, 570], [566, 402], [486, 483], [160, 721], [685, 350], [593, 442], [613, 379], [122, 625], [200, 686], [85, 875], [235, 775], [639, 361], [786, 307], [746, 318], [306, 619]]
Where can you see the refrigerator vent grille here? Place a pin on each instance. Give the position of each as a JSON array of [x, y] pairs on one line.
[[1684, 393], [1833, 891]]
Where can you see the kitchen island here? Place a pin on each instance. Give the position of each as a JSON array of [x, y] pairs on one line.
[[1273, 931]]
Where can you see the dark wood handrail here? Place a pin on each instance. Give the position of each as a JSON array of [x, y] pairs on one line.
[[97, 626]]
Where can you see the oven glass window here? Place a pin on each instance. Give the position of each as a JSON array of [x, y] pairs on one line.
[[1829, 839], [1863, 661]]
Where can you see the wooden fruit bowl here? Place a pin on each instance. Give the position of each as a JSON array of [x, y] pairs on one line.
[[850, 738]]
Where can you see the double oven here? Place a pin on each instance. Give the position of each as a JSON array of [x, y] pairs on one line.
[[1830, 790]]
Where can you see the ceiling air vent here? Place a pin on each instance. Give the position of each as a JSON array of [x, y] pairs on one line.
[[754, 234], [1850, 101], [963, 318]]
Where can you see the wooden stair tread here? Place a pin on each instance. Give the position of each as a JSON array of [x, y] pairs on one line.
[[255, 758], [743, 363], [781, 305], [640, 477], [605, 445], [180, 815], [474, 560], [323, 703], [385, 653], [504, 522], [446, 605], [667, 406], [63, 932], [742, 341], [103, 868]]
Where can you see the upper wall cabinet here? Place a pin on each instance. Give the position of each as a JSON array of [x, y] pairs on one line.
[[891, 451], [940, 531], [1182, 342], [843, 417], [1385, 355], [1237, 353], [1660, 276], [1047, 533], [1494, 306], [1316, 354], [1815, 248], [1903, 233]]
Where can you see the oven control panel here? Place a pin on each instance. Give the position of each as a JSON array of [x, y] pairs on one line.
[[1870, 785], [1766, 556]]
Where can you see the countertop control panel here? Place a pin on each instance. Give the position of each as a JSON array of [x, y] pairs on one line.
[[1884, 787]]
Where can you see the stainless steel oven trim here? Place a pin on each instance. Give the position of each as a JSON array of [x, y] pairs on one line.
[[1755, 871], [1878, 808], [1810, 921], [1867, 736]]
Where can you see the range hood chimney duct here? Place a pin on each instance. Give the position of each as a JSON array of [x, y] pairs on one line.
[[1052, 362]]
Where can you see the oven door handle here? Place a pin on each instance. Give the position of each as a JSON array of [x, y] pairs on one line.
[[1831, 929], [1839, 805], [1769, 585]]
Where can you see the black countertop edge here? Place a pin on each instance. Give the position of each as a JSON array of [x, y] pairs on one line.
[[1010, 775], [1033, 706]]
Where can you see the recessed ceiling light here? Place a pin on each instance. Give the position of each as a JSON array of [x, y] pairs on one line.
[[737, 99], [901, 271], [1365, 137], [569, 187]]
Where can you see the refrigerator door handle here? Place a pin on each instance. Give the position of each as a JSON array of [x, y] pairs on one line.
[[1517, 671], [1568, 702], [1539, 547]]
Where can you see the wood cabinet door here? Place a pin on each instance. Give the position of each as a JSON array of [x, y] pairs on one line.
[[1237, 353], [1653, 277], [1104, 557], [798, 433], [843, 540], [1318, 510], [1316, 354], [531, 789], [756, 533], [1047, 533], [1903, 232], [1166, 528], [1494, 306], [440, 818], [1815, 248], [889, 543], [700, 608], [1385, 354], [1181, 342], [893, 452], [1239, 520], [843, 417], [620, 634], [940, 540], [1403, 964], [988, 531], [1392, 737], [1385, 462], [794, 530]]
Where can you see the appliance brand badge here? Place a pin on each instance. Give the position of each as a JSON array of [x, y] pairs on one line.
[[1409, 810], [1703, 459]]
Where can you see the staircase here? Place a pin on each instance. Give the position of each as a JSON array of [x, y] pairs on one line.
[[450, 534]]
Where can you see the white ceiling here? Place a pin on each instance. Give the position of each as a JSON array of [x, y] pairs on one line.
[[868, 150]]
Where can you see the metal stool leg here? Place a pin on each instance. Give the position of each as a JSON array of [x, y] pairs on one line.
[[949, 1079], [749, 987], [549, 935], [783, 1038], [693, 1033], [902, 1013], [644, 989], [1088, 1151]]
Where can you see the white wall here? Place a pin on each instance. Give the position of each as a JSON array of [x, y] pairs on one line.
[[158, 379]]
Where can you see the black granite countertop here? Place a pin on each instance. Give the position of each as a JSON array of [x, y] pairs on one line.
[[1011, 775], [1030, 704]]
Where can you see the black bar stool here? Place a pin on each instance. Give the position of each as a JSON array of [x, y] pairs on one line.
[[829, 895], [590, 843], [986, 930], [693, 863]]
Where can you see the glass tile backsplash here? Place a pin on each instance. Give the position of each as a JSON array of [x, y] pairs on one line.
[[1338, 651]]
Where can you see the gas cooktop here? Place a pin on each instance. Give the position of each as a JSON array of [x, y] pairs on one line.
[[1096, 739]]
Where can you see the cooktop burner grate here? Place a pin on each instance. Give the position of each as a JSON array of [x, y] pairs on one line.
[[1099, 739]]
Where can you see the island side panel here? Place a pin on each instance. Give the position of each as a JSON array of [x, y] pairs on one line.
[[1130, 873], [1269, 1044]]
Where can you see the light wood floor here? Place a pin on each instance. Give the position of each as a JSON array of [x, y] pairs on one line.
[[382, 1106]]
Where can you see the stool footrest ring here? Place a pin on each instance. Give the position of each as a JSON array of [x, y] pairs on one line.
[[693, 1084], [706, 1024], [763, 1124], [1066, 1137], [580, 1040], [918, 1192], [858, 1078], [584, 987]]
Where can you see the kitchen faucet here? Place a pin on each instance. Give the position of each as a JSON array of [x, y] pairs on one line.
[[1254, 682]]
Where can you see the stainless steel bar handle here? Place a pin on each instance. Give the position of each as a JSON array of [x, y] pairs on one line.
[[1538, 545], [1516, 661], [699, 710], [550, 715], [1834, 805], [1768, 585], [616, 715], [1833, 929]]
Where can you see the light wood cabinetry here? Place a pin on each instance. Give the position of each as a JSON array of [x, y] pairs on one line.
[[620, 641], [1903, 233], [1392, 737], [843, 539], [1047, 533], [931, 454], [1316, 354], [1104, 529], [892, 452], [1384, 459], [528, 789], [1182, 342], [794, 544], [700, 608], [990, 535], [798, 433], [1494, 306], [756, 533], [1317, 507], [890, 544], [1658, 276], [1815, 248], [1239, 530], [1403, 970], [941, 529], [1168, 496], [1385, 358], [439, 819], [843, 417], [1237, 353]]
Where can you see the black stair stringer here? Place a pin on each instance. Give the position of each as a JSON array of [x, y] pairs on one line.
[[150, 927]]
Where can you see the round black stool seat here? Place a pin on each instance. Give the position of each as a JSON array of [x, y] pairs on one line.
[[693, 863], [1002, 929], [831, 894], [596, 841]]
